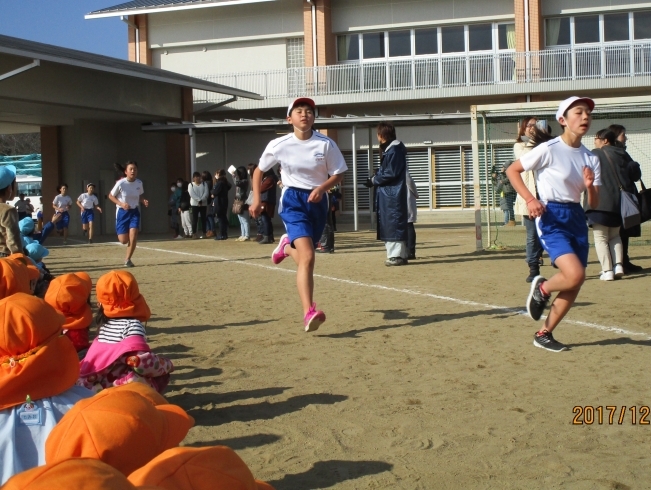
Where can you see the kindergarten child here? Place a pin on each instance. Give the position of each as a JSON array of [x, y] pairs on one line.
[[61, 204], [9, 233], [120, 353], [563, 169], [88, 202], [307, 158]]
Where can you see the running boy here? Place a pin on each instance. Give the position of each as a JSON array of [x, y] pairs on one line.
[[563, 169], [307, 159], [88, 202], [61, 204]]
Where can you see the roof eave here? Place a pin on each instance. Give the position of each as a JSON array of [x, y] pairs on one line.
[[151, 10]]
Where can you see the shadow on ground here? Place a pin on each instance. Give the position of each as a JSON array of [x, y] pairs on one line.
[[326, 474], [239, 443]]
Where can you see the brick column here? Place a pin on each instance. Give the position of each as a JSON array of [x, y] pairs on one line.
[[178, 145], [51, 168], [307, 29], [143, 46]]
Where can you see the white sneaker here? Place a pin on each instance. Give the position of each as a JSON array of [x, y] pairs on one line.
[[245, 239], [607, 276], [179, 237], [619, 271], [240, 239]]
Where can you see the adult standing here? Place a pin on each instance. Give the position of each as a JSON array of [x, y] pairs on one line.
[[127, 194], [522, 146], [412, 208], [220, 201], [241, 179], [391, 195], [198, 191], [634, 174]]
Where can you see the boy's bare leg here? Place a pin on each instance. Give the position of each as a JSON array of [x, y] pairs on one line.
[[303, 255]]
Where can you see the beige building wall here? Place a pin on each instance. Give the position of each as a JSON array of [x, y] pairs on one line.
[[573, 7]]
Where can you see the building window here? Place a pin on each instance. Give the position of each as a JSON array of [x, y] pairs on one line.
[[480, 37], [616, 27], [558, 31], [592, 29], [348, 47], [453, 39], [506, 36], [296, 52], [426, 41], [373, 45], [399, 43], [642, 24], [586, 29]]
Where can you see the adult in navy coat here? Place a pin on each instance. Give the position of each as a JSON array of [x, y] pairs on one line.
[[391, 195]]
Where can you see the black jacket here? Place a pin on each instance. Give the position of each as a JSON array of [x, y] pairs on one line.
[[391, 194], [220, 193]]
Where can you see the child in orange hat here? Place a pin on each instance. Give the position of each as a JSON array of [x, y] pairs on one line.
[[69, 294], [120, 427], [38, 370], [13, 278], [209, 468], [120, 353]]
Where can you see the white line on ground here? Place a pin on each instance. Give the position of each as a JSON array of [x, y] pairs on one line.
[[505, 309]]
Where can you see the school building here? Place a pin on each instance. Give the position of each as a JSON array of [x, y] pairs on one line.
[[422, 63]]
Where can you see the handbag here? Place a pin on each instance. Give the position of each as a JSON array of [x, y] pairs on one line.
[[629, 207], [238, 205], [644, 199]]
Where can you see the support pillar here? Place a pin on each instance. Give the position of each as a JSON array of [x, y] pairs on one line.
[[51, 167], [355, 196]]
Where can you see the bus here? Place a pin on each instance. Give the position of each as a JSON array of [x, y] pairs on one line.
[[28, 178]]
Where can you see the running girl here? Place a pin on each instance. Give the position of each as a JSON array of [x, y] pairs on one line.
[[563, 169], [127, 195], [88, 202], [311, 165], [61, 205]]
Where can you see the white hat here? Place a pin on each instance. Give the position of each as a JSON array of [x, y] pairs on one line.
[[565, 105], [300, 100]]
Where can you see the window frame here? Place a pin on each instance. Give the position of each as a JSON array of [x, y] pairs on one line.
[[602, 30]]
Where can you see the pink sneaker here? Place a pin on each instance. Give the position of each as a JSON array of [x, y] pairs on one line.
[[314, 319], [278, 255]]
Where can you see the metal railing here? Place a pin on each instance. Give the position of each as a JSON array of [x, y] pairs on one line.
[[440, 72]]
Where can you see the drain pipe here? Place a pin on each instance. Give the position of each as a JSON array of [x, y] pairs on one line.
[[130, 23], [311, 2], [526, 44]]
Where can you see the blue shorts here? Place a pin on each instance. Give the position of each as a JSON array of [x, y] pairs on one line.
[[126, 220], [64, 221], [87, 216], [563, 230], [302, 218]]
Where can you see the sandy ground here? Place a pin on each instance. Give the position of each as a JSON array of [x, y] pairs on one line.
[[423, 376]]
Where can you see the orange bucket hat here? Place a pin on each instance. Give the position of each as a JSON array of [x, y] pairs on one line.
[[14, 278], [142, 389], [118, 426], [118, 293], [68, 294], [208, 468], [24, 261], [76, 473], [35, 358]]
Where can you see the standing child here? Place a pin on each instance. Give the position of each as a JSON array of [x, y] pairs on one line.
[[120, 353], [10, 242], [307, 158], [563, 169], [61, 204], [21, 206], [88, 202]]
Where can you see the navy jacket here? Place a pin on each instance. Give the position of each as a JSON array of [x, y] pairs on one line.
[[391, 194]]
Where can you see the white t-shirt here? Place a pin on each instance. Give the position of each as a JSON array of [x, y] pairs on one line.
[[559, 170], [88, 201], [305, 164], [62, 202], [128, 192]]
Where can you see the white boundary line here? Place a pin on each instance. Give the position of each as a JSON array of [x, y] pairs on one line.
[[450, 299]]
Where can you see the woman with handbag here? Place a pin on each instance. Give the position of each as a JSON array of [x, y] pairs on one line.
[[268, 200], [240, 206], [606, 219], [220, 201]]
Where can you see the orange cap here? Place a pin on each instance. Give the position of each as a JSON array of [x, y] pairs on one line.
[[76, 473], [118, 426], [68, 294], [209, 468], [35, 359], [24, 261], [144, 390], [118, 293], [14, 278]]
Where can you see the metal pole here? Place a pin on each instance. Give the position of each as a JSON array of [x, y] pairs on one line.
[[476, 182], [489, 201], [370, 174], [355, 196], [193, 151]]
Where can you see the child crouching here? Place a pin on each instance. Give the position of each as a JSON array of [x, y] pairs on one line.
[[120, 353]]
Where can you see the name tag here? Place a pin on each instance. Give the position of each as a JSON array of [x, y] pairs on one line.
[[30, 414]]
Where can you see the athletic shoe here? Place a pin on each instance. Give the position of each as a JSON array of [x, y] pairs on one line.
[[630, 267], [619, 271], [245, 239], [265, 240], [537, 300], [547, 341], [128, 263], [179, 237], [200, 237], [314, 317], [411, 257], [607, 276], [394, 261], [278, 255]]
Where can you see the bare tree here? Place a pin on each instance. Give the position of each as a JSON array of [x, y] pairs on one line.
[[20, 144]]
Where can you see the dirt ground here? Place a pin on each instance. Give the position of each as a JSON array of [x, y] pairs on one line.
[[423, 376]]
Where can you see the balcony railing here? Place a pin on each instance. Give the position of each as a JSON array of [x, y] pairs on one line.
[[454, 74]]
